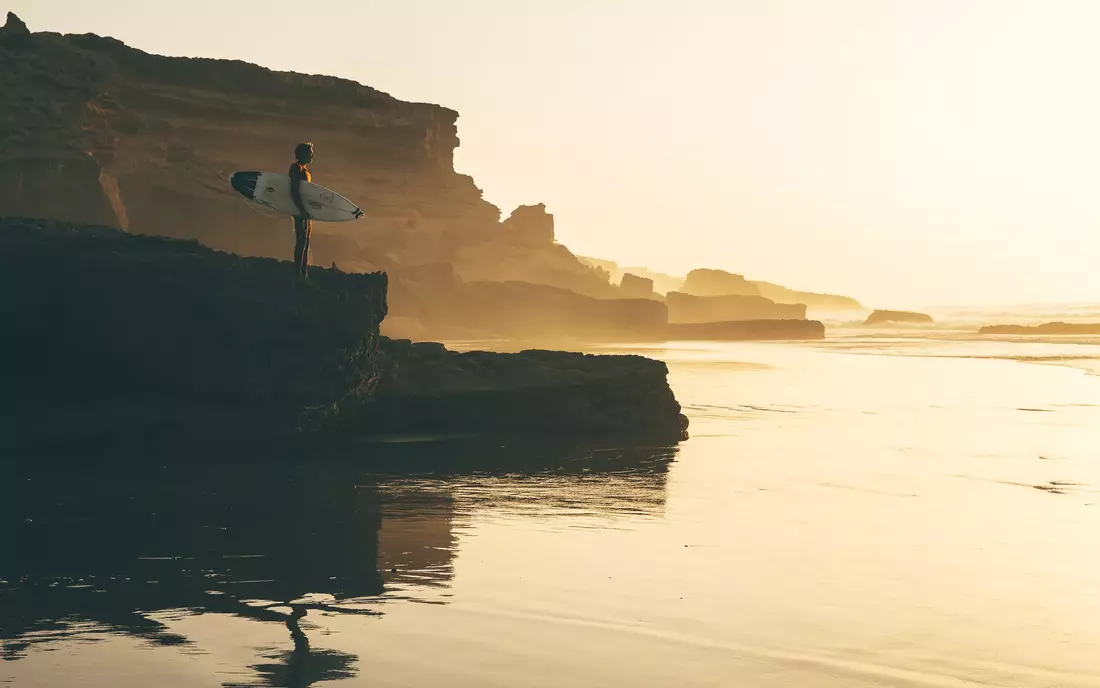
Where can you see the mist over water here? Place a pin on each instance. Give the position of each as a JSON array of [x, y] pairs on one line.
[[902, 508]]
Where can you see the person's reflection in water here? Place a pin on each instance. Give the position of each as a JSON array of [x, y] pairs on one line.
[[302, 666], [298, 662]]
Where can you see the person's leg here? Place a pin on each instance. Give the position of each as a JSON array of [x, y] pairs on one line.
[[299, 243], [308, 231]]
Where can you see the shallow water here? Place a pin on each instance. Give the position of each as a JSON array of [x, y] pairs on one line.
[[893, 510]]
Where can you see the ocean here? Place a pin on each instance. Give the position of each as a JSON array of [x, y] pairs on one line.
[[907, 507]]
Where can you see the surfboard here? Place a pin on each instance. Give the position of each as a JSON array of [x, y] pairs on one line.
[[273, 191]]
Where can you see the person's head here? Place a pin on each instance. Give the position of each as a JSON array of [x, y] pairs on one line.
[[304, 152]]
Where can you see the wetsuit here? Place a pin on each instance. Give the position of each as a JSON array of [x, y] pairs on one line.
[[303, 227]]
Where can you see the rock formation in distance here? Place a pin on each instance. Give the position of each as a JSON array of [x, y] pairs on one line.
[[883, 317], [707, 282], [634, 287], [687, 308], [1058, 328]]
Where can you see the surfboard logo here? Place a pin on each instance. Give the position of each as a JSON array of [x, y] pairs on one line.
[[326, 197], [314, 204]]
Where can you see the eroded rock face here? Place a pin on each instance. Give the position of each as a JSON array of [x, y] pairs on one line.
[[635, 287], [531, 224], [146, 143], [706, 282], [880, 317], [687, 308]]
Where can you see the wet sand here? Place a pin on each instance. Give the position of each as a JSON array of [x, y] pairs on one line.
[[858, 512]]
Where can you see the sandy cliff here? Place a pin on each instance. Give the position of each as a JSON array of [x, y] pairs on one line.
[[94, 131]]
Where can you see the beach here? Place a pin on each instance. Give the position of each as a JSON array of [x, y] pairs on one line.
[[888, 510]]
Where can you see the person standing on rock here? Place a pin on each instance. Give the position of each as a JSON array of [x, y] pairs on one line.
[[303, 225]]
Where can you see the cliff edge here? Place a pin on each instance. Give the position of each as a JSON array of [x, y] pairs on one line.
[[118, 339]]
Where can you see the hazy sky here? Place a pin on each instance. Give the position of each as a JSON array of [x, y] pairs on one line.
[[907, 153]]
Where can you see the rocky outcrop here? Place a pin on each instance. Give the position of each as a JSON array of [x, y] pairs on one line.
[[1045, 328], [662, 283], [781, 294], [686, 308], [116, 333], [118, 338], [429, 389], [705, 282], [531, 224], [881, 317], [13, 27], [747, 330], [446, 307], [634, 287], [93, 131]]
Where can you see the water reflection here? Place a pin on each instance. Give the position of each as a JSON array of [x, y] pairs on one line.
[[100, 554]]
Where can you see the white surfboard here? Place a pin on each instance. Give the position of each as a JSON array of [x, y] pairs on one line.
[[273, 191]]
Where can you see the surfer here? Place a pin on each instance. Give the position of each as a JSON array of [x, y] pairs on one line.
[[303, 226]]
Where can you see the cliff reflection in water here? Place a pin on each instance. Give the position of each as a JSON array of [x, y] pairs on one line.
[[99, 555]]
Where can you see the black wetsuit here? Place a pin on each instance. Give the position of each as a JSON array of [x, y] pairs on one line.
[[303, 227]]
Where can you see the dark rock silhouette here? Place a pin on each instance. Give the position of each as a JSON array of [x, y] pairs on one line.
[[425, 388], [118, 338], [174, 336], [13, 27], [635, 287], [687, 308], [880, 317], [706, 282], [1045, 328]]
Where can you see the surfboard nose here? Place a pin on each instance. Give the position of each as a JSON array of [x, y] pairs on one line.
[[244, 183]]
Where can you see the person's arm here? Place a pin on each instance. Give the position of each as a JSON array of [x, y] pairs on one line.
[[296, 195]]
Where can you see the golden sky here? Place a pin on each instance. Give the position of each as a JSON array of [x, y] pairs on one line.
[[908, 153]]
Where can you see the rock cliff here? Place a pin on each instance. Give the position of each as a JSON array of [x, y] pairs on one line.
[[118, 339], [443, 306], [707, 282], [635, 287], [662, 283], [687, 308], [94, 131], [781, 294]]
